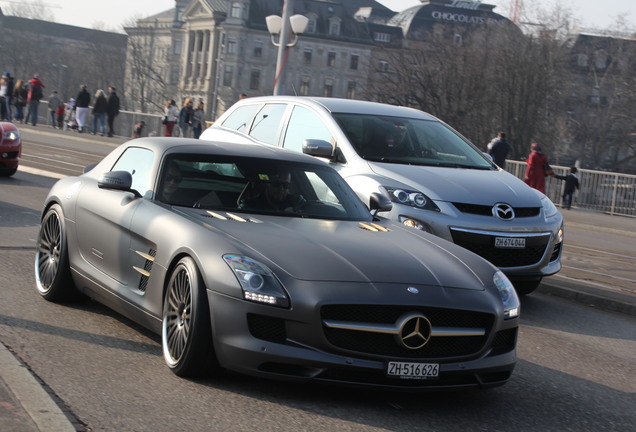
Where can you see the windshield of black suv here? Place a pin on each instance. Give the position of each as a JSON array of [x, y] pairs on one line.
[[409, 141]]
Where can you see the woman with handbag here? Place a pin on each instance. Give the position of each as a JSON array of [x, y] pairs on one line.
[[171, 115], [537, 169]]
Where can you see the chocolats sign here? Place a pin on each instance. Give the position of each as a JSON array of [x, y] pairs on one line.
[[455, 16]]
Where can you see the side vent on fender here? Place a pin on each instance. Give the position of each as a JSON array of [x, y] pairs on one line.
[[145, 272]]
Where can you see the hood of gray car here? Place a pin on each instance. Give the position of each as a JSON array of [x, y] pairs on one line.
[[323, 250], [470, 186]]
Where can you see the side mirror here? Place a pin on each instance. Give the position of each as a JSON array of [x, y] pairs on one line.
[[319, 148], [379, 203], [117, 180]]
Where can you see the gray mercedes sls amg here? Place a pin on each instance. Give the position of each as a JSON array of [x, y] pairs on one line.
[[264, 261]]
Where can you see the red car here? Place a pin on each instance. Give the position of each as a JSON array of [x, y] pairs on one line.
[[10, 149]]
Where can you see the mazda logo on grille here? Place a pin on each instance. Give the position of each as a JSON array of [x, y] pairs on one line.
[[503, 211], [415, 331]]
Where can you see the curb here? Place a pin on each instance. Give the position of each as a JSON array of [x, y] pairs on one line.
[[31, 396], [590, 296]]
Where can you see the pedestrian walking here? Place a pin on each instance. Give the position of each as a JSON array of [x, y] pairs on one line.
[[7, 87], [198, 120], [113, 109], [59, 115], [571, 185], [20, 95], [185, 117], [171, 115], [36, 93], [82, 110], [100, 108], [53, 102], [537, 169], [498, 148]]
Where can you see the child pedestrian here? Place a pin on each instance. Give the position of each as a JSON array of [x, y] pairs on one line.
[[59, 115], [571, 184]]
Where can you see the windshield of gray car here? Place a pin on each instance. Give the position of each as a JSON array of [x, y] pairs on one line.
[[409, 141], [261, 186]]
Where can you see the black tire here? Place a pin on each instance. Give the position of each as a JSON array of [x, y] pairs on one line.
[[186, 335], [52, 270], [526, 286], [8, 172]]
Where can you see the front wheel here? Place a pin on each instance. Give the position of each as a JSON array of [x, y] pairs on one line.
[[52, 269], [186, 335]]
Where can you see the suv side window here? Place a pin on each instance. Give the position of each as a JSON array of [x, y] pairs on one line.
[[304, 124], [241, 118], [137, 161], [267, 123]]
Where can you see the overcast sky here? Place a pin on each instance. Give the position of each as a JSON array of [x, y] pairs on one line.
[[112, 14]]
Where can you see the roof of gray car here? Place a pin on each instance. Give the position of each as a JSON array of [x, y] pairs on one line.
[[198, 146], [336, 105]]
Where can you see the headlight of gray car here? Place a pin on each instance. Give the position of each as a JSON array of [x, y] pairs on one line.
[[257, 281], [549, 209], [508, 295], [411, 198]]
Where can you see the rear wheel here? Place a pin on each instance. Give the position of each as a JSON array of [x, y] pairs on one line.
[[186, 335], [52, 269], [526, 286]]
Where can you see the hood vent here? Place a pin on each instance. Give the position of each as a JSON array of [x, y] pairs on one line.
[[373, 227], [231, 216]]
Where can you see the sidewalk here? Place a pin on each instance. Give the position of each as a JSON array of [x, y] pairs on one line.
[[25, 405]]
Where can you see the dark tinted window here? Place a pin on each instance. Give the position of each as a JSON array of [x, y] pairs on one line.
[[409, 141]]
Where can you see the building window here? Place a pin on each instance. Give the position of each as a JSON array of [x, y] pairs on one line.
[[383, 66], [331, 59], [236, 10], [334, 26], [381, 37], [255, 79], [231, 46], [304, 86], [227, 76], [353, 64], [174, 74], [351, 90], [327, 91], [176, 46], [258, 49], [457, 39], [311, 26], [307, 56]]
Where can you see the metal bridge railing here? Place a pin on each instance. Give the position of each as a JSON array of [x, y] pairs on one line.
[[601, 191]]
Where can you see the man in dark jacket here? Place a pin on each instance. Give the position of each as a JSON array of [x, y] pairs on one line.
[[498, 148], [113, 109]]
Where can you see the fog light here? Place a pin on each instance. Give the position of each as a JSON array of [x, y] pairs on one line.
[[414, 223]]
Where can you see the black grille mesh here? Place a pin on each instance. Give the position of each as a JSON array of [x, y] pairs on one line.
[[386, 345]]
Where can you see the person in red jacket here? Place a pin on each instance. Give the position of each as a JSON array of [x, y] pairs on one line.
[[535, 171], [33, 99]]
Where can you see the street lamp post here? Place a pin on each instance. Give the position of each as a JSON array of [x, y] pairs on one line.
[[283, 27], [60, 75]]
